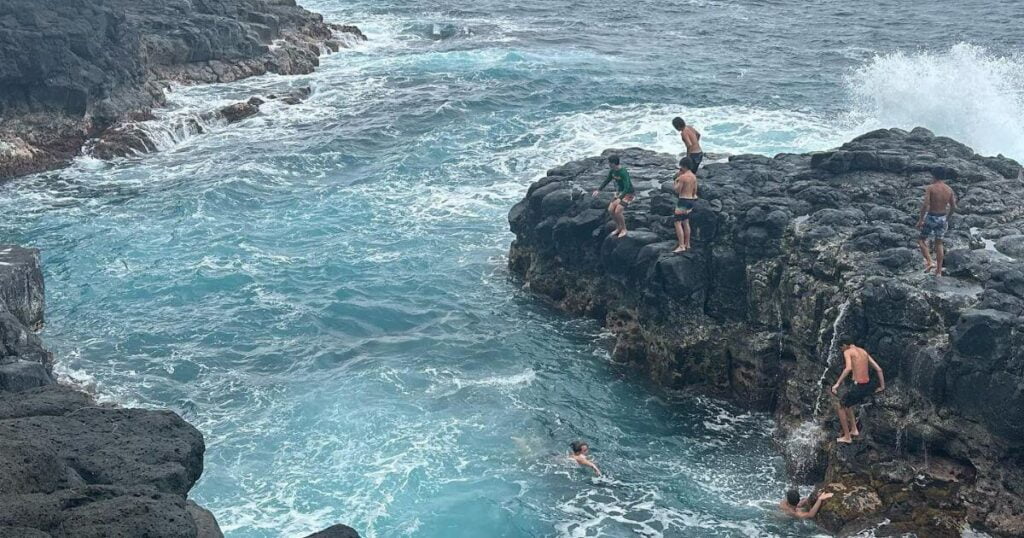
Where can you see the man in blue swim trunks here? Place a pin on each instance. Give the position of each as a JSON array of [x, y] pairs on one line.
[[939, 204]]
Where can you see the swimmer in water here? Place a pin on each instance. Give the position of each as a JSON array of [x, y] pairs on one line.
[[579, 454], [794, 507]]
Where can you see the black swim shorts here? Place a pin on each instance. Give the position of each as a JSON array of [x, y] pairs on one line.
[[696, 158], [859, 393]]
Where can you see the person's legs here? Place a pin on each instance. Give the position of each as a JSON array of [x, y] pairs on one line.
[[686, 232], [923, 244], [620, 220], [851, 421], [612, 207], [939, 254], [843, 418], [680, 237]]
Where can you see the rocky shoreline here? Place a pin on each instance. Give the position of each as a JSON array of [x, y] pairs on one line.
[[73, 467], [80, 73], [790, 253]]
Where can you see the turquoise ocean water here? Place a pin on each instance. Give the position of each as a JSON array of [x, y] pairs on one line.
[[322, 288]]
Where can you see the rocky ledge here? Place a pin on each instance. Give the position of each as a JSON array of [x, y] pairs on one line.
[[789, 253], [70, 466], [70, 70]]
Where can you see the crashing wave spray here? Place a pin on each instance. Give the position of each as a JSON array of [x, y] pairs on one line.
[[965, 93]]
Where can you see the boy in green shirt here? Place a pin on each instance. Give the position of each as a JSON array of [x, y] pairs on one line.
[[623, 194]]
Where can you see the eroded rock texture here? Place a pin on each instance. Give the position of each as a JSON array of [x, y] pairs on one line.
[[68, 466], [71, 69], [788, 253]]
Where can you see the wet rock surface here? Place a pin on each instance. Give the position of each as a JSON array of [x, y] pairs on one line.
[[336, 531], [788, 254], [73, 69], [70, 466]]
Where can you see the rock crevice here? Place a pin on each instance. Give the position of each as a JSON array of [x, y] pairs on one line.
[[790, 253]]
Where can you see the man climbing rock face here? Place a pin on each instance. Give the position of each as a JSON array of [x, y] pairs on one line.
[[623, 194], [939, 204], [857, 362]]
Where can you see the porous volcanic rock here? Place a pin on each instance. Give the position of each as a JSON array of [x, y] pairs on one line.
[[70, 467], [788, 254], [72, 69]]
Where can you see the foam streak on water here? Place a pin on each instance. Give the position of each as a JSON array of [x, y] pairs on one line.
[[321, 288]]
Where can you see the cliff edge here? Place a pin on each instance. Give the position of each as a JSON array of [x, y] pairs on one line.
[[790, 253], [72, 467]]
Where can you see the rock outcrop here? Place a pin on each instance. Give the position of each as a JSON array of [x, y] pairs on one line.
[[336, 531], [70, 467], [790, 253], [72, 69]]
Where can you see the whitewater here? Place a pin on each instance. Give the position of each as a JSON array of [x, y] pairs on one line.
[[321, 288]]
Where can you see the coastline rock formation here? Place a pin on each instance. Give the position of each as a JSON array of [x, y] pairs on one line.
[[73, 69], [789, 254], [70, 466]]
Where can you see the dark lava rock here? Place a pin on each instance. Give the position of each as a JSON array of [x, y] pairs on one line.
[[69, 466], [239, 111], [206, 523], [75, 68], [336, 531], [789, 253]]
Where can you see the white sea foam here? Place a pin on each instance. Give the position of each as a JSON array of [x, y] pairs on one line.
[[966, 93]]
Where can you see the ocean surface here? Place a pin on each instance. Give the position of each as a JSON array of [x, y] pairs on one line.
[[322, 288]]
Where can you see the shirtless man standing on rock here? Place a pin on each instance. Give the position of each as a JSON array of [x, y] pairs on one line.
[[686, 190], [691, 139], [939, 204], [857, 362]]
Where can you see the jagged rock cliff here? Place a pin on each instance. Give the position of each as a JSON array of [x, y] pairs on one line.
[[790, 252], [70, 467], [72, 69]]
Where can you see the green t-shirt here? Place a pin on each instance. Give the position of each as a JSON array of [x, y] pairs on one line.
[[622, 182]]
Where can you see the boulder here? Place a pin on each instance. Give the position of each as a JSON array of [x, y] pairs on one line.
[[336, 531]]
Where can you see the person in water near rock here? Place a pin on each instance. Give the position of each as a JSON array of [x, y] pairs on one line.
[[793, 506], [857, 362], [579, 454], [691, 139], [686, 190], [939, 204], [623, 194]]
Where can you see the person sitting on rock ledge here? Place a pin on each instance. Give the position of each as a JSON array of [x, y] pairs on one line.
[[623, 196], [793, 506], [857, 362], [939, 204], [691, 139], [686, 189], [579, 455]]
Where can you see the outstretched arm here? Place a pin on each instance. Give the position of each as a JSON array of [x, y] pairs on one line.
[[846, 371], [817, 505], [878, 370], [591, 464]]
